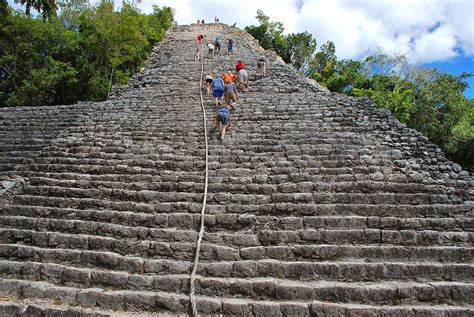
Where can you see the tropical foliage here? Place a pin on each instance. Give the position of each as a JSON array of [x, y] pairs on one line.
[[428, 100], [62, 59]]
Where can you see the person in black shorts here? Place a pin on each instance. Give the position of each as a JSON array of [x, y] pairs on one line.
[[208, 81], [222, 121]]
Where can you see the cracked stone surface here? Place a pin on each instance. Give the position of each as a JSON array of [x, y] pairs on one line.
[[319, 204]]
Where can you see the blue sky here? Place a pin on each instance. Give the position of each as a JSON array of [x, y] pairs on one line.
[[456, 66], [431, 33]]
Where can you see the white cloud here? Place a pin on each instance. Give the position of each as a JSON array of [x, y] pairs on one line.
[[426, 30], [435, 46]]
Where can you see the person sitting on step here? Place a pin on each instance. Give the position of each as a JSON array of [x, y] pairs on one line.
[[222, 121]]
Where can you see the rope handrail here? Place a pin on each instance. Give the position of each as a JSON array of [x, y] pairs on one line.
[[192, 297]]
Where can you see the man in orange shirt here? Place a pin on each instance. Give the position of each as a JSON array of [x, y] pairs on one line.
[[229, 76]]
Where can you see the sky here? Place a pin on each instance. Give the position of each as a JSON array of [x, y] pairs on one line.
[[432, 33]]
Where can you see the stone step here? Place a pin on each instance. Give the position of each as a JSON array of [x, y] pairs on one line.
[[94, 260], [99, 229], [266, 147], [368, 253], [292, 193], [83, 163], [101, 204], [124, 300], [86, 278], [238, 222], [218, 184], [270, 288], [147, 303], [191, 166], [346, 271], [215, 252], [394, 293], [145, 248], [124, 179], [279, 209], [17, 307], [385, 293], [319, 308], [170, 160], [364, 237], [234, 238], [112, 194]]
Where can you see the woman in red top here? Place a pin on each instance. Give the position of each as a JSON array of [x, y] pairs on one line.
[[240, 65], [200, 37]]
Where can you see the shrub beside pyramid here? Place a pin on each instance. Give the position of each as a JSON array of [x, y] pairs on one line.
[[319, 204]]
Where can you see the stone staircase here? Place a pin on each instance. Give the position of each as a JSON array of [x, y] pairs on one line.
[[319, 204]]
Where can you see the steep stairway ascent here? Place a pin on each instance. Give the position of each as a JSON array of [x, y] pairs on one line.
[[319, 204]]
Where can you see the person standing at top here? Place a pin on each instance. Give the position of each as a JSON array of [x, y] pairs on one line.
[[217, 44], [216, 20], [198, 22], [202, 22], [218, 89]]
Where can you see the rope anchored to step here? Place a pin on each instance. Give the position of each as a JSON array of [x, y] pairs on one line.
[[192, 297]]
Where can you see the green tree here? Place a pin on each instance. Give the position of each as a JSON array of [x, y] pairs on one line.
[[71, 57], [270, 35], [47, 8], [389, 92], [323, 65], [301, 47], [444, 114], [347, 76]]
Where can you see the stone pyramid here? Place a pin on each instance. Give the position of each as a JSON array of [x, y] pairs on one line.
[[318, 203]]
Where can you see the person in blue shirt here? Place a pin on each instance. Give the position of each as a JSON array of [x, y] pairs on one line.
[[218, 89], [230, 46], [217, 44], [222, 121]]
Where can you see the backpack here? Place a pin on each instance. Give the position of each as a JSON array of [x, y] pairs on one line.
[[218, 40]]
